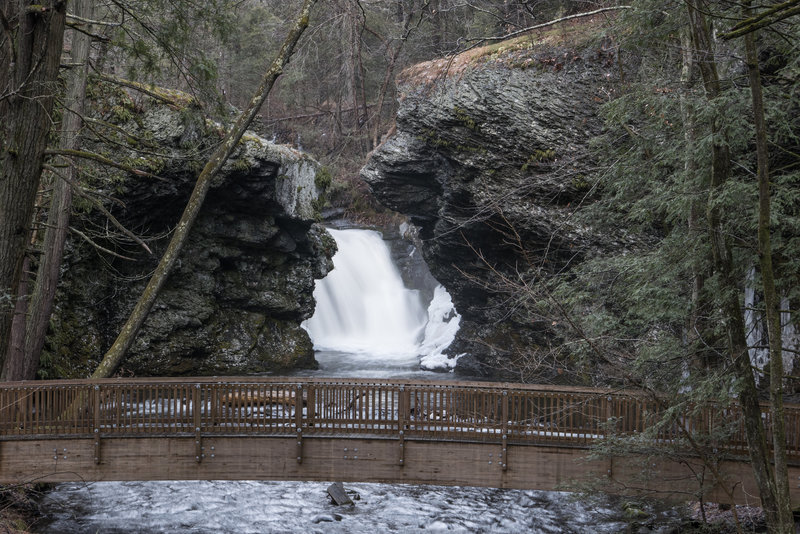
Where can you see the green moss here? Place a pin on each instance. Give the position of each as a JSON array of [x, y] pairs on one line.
[[323, 178], [471, 149], [121, 113], [154, 164], [317, 205], [464, 118], [241, 165], [433, 138], [580, 183], [539, 156]]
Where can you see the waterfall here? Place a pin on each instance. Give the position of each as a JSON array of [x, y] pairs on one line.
[[363, 307], [756, 329]]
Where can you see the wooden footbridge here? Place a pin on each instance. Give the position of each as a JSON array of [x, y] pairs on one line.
[[451, 433]]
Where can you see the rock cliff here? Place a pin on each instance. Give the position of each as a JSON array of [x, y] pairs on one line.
[[489, 158], [244, 282]]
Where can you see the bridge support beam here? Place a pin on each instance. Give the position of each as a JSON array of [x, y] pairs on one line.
[[366, 460]]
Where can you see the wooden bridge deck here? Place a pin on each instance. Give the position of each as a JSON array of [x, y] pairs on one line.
[[453, 433]]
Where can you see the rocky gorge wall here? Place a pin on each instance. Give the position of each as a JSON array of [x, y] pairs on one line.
[[244, 281], [489, 158]]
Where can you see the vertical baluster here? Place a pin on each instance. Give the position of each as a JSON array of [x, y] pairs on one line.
[[38, 409], [175, 407], [149, 408], [82, 423], [374, 406], [448, 415], [237, 406], [136, 396], [117, 410], [223, 394], [428, 410], [179, 408], [146, 407], [563, 410], [213, 409]]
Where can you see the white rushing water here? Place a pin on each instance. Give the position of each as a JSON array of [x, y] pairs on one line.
[[362, 305], [365, 311], [369, 325], [250, 507]]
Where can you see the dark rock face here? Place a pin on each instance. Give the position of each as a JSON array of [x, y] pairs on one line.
[[488, 161], [244, 283]]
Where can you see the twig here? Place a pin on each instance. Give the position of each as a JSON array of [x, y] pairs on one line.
[[98, 247], [100, 159]]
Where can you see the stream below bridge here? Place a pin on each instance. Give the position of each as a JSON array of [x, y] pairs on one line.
[[386, 334]]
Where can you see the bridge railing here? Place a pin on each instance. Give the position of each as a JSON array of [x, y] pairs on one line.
[[458, 411]]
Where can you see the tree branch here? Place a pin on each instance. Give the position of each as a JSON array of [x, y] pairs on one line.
[[552, 22], [98, 247], [79, 27], [97, 204], [175, 99], [83, 20], [766, 18], [100, 159]]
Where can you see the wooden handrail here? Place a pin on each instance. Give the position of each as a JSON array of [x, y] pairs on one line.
[[503, 413]]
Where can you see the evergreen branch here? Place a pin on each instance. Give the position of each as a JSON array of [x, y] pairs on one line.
[[100, 159], [172, 54]]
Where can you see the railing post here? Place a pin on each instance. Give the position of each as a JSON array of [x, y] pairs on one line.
[[298, 421], [310, 404], [402, 411], [504, 436], [97, 398], [198, 437]]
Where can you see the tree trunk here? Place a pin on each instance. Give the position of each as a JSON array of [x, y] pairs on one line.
[[694, 183], [30, 54], [55, 236], [785, 521], [14, 364], [118, 350], [723, 265]]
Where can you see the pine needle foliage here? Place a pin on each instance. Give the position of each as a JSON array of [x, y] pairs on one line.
[[170, 44], [653, 315]]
